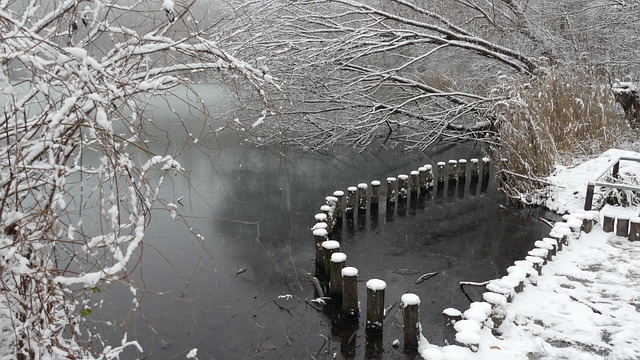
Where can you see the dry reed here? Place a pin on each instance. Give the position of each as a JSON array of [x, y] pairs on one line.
[[551, 120]]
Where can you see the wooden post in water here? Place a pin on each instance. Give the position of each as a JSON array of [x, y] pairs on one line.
[[403, 186], [320, 236], [440, 165], [350, 307], [375, 192], [375, 304], [453, 171], [338, 262], [429, 175], [486, 164], [411, 320], [414, 181], [329, 247], [608, 222], [474, 168], [422, 178], [622, 226], [634, 228], [362, 196], [339, 194], [391, 190], [327, 210], [332, 202], [351, 200], [462, 169], [450, 316]]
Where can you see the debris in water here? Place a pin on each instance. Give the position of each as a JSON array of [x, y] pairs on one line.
[[426, 276], [241, 271]]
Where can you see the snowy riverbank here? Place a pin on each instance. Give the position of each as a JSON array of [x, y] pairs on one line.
[[586, 303]]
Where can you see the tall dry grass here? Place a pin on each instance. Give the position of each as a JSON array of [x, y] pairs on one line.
[[554, 119]]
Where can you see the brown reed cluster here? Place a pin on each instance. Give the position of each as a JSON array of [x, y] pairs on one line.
[[556, 118]]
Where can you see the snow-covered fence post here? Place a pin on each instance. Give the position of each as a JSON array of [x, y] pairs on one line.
[[414, 181], [608, 222], [351, 200], [375, 193], [590, 217], [498, 302], [588, 200], [634, 228], [320, 236], [453, 171], [450, 316], [486, 165], [537, 263], [422, 178], [350, 307], [328, 211], [440, 166], [475, 169], [391, 190], [462, 169], [553, 243], [429, 175], [410, 320], [403, 186], [329, 247], [337, 212], [551, 251], [622, 225], [375, 304], [362, 197], [338, 262]]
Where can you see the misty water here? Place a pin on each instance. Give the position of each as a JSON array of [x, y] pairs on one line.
[[242, 289]]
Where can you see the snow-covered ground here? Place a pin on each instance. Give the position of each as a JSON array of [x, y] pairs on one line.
[[586, 303]]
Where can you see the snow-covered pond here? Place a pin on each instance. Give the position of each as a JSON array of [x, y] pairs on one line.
[[240, 291]]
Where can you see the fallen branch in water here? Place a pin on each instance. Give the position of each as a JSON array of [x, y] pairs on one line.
[[425, 277], [386, 310], [317, 284]]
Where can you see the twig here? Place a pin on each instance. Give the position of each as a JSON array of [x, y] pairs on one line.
[[317, 284], [425, 277], [387, 310]]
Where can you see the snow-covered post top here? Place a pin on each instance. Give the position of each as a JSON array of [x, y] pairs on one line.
[[391, 189], [362, 196], [338, 262], [375, 192], [440, 166], [453, 170], [350, 307], [414, 180], [375, 304], [411, 320], [449, 317]]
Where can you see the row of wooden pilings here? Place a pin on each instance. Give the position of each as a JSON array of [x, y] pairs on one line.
[[622, 224], [330, 264], [464, 328]]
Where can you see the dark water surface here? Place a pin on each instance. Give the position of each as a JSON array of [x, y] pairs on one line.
[[241, 291]]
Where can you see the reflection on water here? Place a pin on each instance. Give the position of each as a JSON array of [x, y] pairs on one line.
[[244, 291]]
